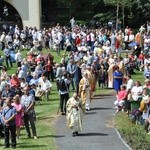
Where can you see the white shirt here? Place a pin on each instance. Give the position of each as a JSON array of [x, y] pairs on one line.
[[108, 50], [40, 37], [23, 84], [17, 42], [45, 85], [130, 84], [146, 61], [59, 35], [22, 36], [96, 50], [19, 57], [68, 42], [74, 35], [8, 38], [92, 37], [126, 60], [34, 35], [2, 38], [17, 31], [72, 21], [126, 38], [135, 92], [66, 83], [131, 37], [21, 74]]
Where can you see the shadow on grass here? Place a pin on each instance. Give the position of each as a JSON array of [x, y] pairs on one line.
[[43, 117], [49, 100], [47, 103], [93, 134], [26, 146], [101, 108], [54, 99]]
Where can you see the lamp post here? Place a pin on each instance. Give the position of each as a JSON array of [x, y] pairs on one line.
[[117, 14], [123, 16], [1, 9], [5, 12]]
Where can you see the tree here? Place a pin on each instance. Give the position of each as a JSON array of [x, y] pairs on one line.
[[138, 8], [120, 5]]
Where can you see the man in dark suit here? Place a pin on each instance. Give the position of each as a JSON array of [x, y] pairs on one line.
[[78, 76], [71, 68]]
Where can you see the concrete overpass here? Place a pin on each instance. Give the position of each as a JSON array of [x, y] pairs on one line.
[[29, 11]]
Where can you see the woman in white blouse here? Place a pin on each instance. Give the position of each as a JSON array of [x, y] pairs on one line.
[[137, 91]]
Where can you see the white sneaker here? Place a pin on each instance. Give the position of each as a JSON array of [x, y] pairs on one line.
[[35, 137]]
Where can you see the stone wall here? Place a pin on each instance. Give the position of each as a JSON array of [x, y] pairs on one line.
[[29, 11]]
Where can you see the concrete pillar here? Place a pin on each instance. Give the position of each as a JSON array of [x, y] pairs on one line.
[[29, 11]]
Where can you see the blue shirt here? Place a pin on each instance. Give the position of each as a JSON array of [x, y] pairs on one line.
[[34, 81], [146, 73], [6, 52], [32, 92], [28, 78], [7, 113], [7, 94]]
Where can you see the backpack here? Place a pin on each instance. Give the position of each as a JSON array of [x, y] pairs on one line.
[[135, 115], [61, 85]]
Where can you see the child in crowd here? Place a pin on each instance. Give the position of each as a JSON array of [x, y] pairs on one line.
[[121, 97], [102, 75]]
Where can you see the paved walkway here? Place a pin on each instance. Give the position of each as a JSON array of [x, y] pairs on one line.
[[97, 133]]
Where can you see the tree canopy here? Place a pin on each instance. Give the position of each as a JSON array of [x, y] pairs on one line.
[[129, 11]]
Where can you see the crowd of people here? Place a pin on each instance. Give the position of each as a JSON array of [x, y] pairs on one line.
[[90, 57]]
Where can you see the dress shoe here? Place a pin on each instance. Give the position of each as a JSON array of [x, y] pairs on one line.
[[62, 113], [35, 137], [77, 133], [87, 109], [6, 147], [73, 134], [13, 147], [28, 136]]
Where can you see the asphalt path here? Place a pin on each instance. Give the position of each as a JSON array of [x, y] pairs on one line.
[[98, 130]]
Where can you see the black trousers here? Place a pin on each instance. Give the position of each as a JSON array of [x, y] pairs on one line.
[[63, 101], [18, 64], [8, 60], [50, 75], [7, 131], [3, 45], [30, 118], [77, 87], [62, 45]]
